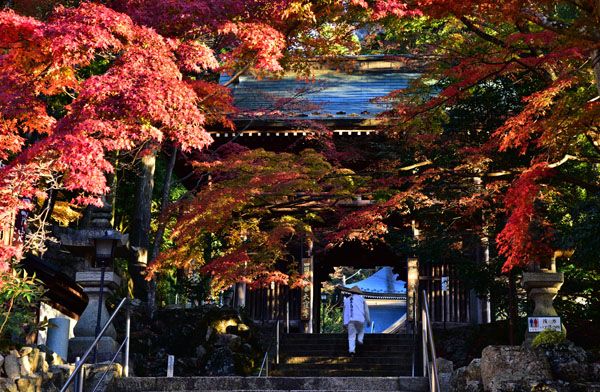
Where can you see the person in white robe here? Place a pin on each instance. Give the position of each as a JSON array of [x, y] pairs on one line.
[[356, 315]]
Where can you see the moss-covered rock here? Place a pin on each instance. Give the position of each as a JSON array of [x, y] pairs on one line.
[[548, 338]]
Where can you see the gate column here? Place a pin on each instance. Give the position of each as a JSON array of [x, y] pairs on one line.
[[412, 288]]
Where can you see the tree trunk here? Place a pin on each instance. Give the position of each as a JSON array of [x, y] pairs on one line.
[[140, 228], [162, 223], [596, 66], [512, 308]]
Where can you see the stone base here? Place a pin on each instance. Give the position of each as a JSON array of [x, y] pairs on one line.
[[107, 347]]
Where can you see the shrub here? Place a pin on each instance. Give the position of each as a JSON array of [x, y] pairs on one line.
[[548, 337], [19, 296]]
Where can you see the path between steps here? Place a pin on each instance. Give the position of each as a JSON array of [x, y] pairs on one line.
[[189, 384], [326, 355]]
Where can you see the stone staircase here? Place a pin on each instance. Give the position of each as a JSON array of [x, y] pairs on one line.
[[310, 362], [326, 355], [271, 384]]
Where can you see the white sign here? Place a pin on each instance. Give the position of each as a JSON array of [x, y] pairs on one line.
[[445, 283], [170, 365], [539, 324]]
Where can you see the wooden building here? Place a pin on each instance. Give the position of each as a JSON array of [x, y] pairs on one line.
[[346, 98]]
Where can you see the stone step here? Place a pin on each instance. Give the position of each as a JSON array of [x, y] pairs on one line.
[[286, 390], [162, 384], [325, 368], [339, 373], [390, 357], [344, 343], [375, 338], [329, 359], [366, 348]]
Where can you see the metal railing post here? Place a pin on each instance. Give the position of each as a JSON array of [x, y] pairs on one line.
[[77, 377], [81, 379], [424, 343], [127, 334], [429, 347], [277, 352], [287, 316]]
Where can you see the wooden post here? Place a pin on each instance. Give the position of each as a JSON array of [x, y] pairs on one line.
[[412, 287]]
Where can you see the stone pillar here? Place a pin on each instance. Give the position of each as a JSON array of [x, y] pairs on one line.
[[412, 288], [85, 329], [542, 287]]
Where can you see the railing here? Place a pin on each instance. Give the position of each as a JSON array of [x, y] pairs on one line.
[[275, 340], [414, 331], [265, 362], [429, 356], [78, 373]]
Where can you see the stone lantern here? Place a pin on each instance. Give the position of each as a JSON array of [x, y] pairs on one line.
[[97, 242], [542, 286]]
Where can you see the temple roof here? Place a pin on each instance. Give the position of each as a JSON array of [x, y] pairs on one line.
[[331, 95], [383, 282]]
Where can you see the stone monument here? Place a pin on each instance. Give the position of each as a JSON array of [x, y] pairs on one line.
[[542, 286], [82, 242]]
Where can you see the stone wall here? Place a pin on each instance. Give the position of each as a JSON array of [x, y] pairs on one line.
[[553, 368], [32, 369], [204, 341]]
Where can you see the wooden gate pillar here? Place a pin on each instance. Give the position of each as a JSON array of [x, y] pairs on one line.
[[412, 288], [307, 299]]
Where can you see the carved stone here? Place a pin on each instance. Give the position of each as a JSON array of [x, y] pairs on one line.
[[542, 287], [85, 328]]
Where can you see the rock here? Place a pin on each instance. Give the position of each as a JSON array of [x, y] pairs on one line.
[[96, 372], [506, 368], [25, 385], [60, 373], [468, 378], [550, 386], [42, 364], [25, 366], [11, 366], [24, 351], [34, 358], [228, 340], [8, 385], [445, 381], [232, 329], [445, 369], [444, 366], [473, 386], [221, 363], [594, 371], [585, 387], [567, 361], [136, 303], [200, 352], [473, 371], [56, 360], [247, 348]]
